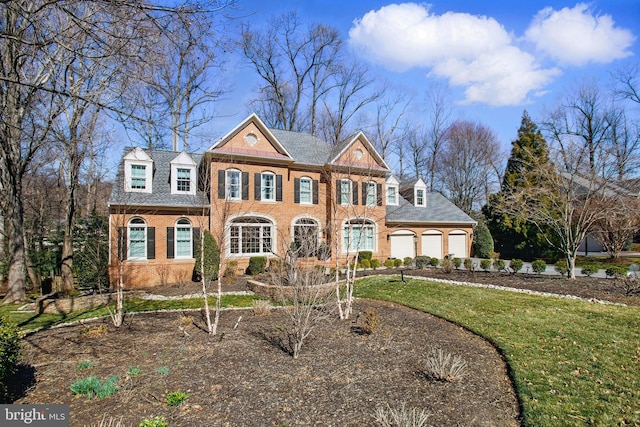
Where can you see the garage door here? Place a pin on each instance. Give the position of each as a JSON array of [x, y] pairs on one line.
[[402, 245], [458, 244], [432, 244]]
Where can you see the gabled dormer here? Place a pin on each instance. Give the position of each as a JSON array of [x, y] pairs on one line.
[[392, 191], [138, 172], [183, 174], [415, 191]]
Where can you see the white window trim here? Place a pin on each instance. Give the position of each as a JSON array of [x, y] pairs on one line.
[[392, 189], [128, 177], [227, 184], [424, 197], [175, 239], [174, 179], [349, 193], [262, 187], [131, 225], [230, 224], [346, 224], [310, 202], [371, 185]]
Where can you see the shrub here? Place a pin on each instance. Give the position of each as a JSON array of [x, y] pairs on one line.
[[9, 352], [93, 387], [85, 365], [422, 261], [482, 243], [468, 264], [408, 261], [158, 421], [539, 266], [589, 270], [230, 269], [515, 265], [211, 258], [391, 417], [261, 307], [371, 320], [134, 371], [365, 263], [365, 255], [442, 366], [499, 264], [457, 262], [561, 267], [485, 264], [615, 271], [447, 265], [176, 398], [257, 265], [434, 262], [494, 255], [389, 263], [375, 263], [397, 262]]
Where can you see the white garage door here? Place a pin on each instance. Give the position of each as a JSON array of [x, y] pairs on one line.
[[458, 244], [402, 245], [432, 244]]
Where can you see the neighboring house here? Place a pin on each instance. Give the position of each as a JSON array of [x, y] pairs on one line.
[[264, 190]]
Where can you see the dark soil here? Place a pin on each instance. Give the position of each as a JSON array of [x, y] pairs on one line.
[[244, 377]]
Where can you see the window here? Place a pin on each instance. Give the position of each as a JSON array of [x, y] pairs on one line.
[[305, 191], [268, 184], [184, 180], [137, 239], [184, 245], [233, 184], [392, 195], [138, 177], [358, 235], [250, 235], [345, 192], [305, 237], [371, 193], [419, 197]]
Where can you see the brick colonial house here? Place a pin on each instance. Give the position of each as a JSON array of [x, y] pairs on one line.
[[259, 190]]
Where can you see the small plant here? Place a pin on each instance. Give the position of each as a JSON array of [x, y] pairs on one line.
[[401, 417], [442, 366], [134, 371], [176, 398], [485, 264], [93, 387], [365, 255], [422, 261], [589, 270], [561, 267], [108, 421], [457, 262], [397, 262], [468, 264], [157, 421], [408, 261], [434, 262], [375, 263], [499, 264], [389, 263], [447, 265], [9, 352], [162, 370], [615, 272], [261, 307], [494, 255], [371, 320], [515, 265], [365, 263], [630, 285], [539, 266], [86, 364], [231, 269], [257, 265]]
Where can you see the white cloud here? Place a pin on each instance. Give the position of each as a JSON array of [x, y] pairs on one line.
[[576, 36], [474, 52]]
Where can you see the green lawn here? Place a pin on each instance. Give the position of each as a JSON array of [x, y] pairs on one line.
[[574, 363]]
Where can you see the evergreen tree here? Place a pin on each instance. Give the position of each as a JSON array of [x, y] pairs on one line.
[[514, 237], [211, 259], [482, 241]]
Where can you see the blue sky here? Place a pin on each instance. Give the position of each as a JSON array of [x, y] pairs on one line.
[[497, 58]]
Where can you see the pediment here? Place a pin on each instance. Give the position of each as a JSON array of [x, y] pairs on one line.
[[360, 153]]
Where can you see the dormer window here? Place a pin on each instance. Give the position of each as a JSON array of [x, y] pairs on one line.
[[392, 195], [183, 182], [138, 177], [420, 200], [138, 172]]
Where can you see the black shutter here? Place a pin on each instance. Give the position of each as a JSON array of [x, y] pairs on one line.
[[379, 194], [338, 192], [196, 240], [221, 184], [354, 188], [257, 186], [365, 186], [170, 243], [278, 188], [245, 185], [122, 243], [296, 190], [314, 184], [151, 243]]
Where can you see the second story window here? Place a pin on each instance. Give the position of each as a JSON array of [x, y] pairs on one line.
[[305, 191], [184, 180], [370, 198], [268, 185], [233, 184], [138, 177], [345, 192]]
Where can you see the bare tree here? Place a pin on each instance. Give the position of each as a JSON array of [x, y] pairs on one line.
[[439, 114], [390, 112], [621, 222]]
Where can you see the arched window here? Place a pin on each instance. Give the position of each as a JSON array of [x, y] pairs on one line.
[[183, 240], [137, 243], [358, 235], [305, 237], [250, 236]]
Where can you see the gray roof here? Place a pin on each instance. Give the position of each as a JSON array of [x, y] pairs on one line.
[[161, 185], [303, 147], [438, 210]]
